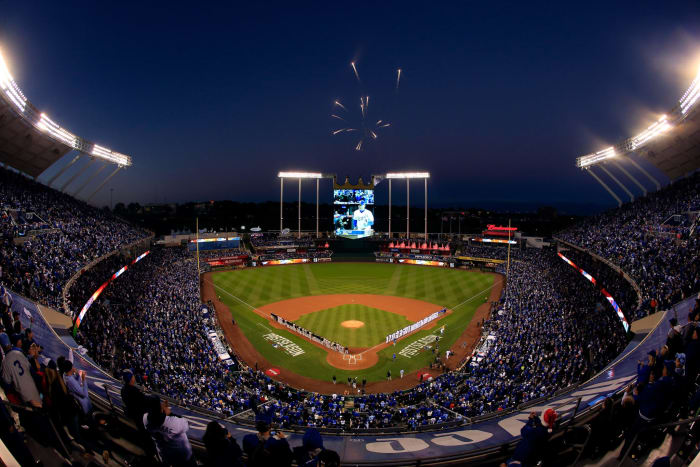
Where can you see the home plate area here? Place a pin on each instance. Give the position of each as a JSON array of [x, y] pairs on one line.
[[352, 359]]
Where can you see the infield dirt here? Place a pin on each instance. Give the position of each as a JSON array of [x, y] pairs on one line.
[[291, 309]]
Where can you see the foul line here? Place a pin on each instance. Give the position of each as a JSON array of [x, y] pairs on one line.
[[371, 348], [478, 293], [451, 309], [231, 295], [258, 312], [242, 301]]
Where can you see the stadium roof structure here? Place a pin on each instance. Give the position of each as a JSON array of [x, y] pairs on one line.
[[31, 142], [671, 144]]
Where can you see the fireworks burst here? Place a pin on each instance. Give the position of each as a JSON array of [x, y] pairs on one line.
[[367, 130]]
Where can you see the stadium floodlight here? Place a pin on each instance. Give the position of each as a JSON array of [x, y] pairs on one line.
[[691, 95], [654, 130], [405, 175], [49, 126], [299, 175], [43, 123], [112, 156], [592, 159], [10, 88]]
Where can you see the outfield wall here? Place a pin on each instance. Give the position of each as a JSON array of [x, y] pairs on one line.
[[477, 437]]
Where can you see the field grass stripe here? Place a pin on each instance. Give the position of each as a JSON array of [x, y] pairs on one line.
[[311, 280], [478, 294], [232, 296], [394, 281]]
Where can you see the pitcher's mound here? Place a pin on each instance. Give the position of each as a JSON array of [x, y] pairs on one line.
[[353, 324]]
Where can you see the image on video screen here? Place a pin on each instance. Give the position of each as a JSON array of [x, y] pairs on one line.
[[352, 213]]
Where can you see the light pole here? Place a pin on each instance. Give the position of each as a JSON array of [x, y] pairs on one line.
[[408, 176], [408, 209], [281, 196], [425, 181], [299, 176], [389, 208]]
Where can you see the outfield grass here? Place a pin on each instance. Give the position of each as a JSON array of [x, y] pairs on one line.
[[240, 290], [378, 324]]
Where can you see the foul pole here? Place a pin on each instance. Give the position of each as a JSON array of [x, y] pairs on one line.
[[508, 262]]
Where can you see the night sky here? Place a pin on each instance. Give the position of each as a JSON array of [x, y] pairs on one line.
[[495, 101]]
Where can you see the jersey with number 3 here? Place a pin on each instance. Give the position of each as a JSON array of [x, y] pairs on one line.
[[15, 371]]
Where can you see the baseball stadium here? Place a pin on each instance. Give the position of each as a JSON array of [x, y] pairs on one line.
[[356, 321]]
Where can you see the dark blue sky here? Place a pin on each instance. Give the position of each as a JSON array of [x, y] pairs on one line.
[[495, 101]]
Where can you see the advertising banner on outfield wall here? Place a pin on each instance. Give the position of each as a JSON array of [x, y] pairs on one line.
[[422, 262], [277, 262]]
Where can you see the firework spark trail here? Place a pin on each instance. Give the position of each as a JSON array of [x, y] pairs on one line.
[[369, 131], [352, 64]]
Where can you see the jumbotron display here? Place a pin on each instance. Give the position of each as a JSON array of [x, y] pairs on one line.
[[352, 212]]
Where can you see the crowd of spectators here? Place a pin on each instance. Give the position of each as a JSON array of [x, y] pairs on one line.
[[38, 266], [296, 254], [47, 384], [665, 265], [56, 397], [491, 252], [610, 279], [150, 320], [222, 253], [551, 329], [538, 351], [274, 241], [91, 279]]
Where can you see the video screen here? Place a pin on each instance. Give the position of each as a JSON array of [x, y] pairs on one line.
[[353, 196], [352, 213]]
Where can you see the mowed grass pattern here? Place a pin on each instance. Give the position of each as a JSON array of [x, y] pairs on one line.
[[378, 324], [444, 287], [245, 289]]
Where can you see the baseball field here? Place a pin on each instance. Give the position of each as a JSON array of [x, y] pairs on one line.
[[355, 305]]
